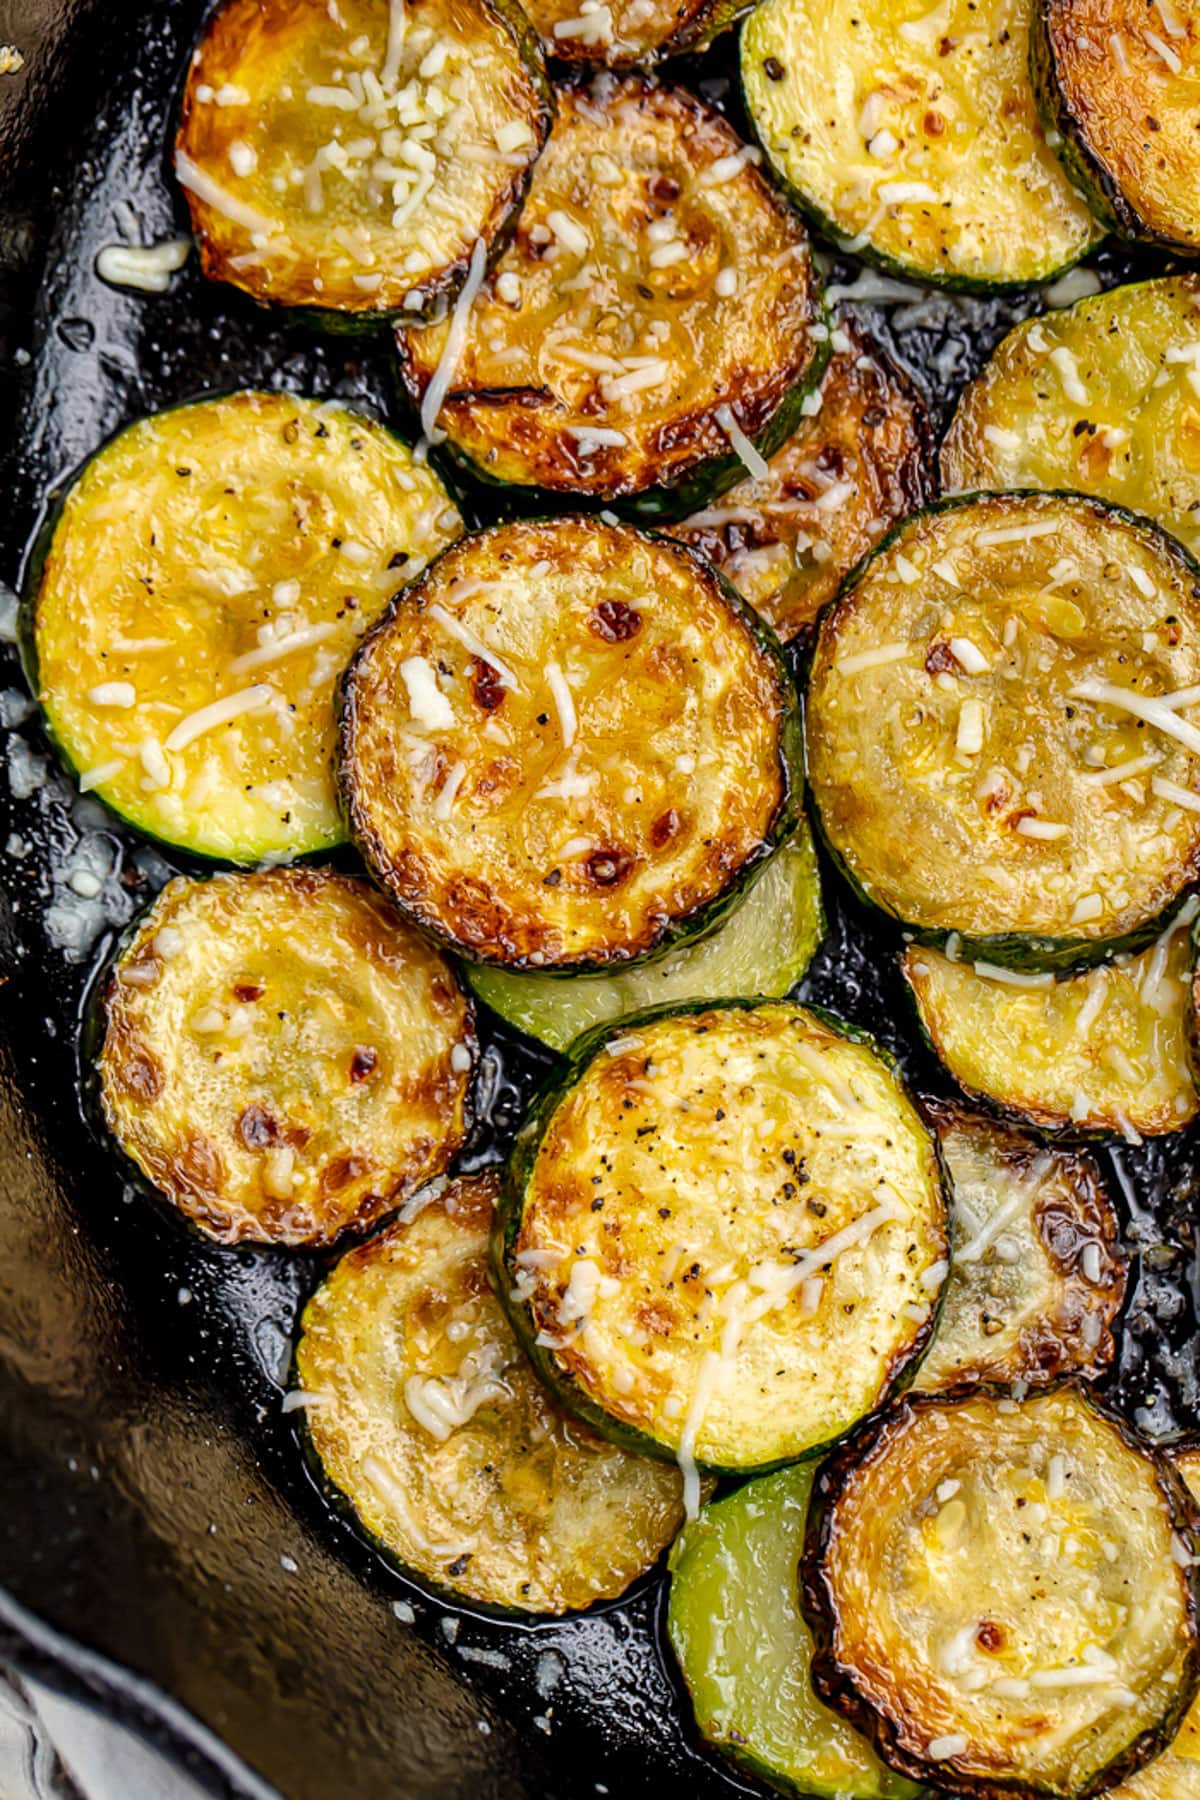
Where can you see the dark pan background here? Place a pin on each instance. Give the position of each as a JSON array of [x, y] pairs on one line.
[[161, 1545]]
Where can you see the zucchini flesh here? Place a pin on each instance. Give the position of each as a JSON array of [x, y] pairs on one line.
[[195, 599], [1001, 1592], [744, 1650], [1036, 1278], [1101, 1052], [1118, 81], [762, 948], [1176, 1774], [1097, 398], [428, 1420], [913, 132], [847, 472], [655, 279], [975, 693], [723, 1234], [603, 787], [348, 160], [625, 32], [282, 1058]]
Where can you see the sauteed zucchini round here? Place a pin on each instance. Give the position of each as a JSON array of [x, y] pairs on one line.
[[1036, 1278], [426, 1417], [282, 1057], [1106, 1051], [1002, 1592], [995, 738], [723, 1233], [1097, 397], [1117, 81], [912, 132], [350, 158], [619, 33], [191, 604], [848, 471], [762, 947], [655, 312], [569, 744]]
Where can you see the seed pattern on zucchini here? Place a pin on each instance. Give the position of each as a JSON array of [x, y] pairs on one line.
[[282, 1058], [1001, 1592], [913, 132], [1036, 1279], [995, 738], [652, 315], [723, 1234], [762, 948], [569, 744], [1117, 81], [349, 159], [1176, 1774], [1100, 1052], [848, 472], [744, 1650], [619, 33], [427, 1418], [1097, 397], [192, 603]]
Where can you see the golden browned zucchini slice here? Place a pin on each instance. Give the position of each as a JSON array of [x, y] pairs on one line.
[[849, 470], [570, 744], [1097, 397], [619, 33], [1176, 1774], [428, 1419], [190, 607], [912, 131], [653, 313], [1036, 1278], [1105, 1051], [283, 1058], [723, 1233], [996, 734], [1002, 1592], [350, 158], [1117, 81]]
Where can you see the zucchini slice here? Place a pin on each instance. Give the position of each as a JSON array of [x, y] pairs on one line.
[[994, 743], [620, 33], [913, 132], [847, 473], [1176, 1774], [191, 605], [762, 948], [349, 158], [1117, 82], [723, 1234], [1101, 1052], [1001, 1592], [1036, 1276], [569, 745], [744, 1650], [1096, 397], [427, 1418], [655, 311], [282, 1058]]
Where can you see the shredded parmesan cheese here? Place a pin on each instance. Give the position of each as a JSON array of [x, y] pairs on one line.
[[456, 338], [217, 713]]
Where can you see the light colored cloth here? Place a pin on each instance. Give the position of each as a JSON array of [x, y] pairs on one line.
[[52, 1748]]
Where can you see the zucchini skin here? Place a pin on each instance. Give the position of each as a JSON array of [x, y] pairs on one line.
[[1018, 951], [787, 819], [29, 582], [834, 1684], [507, 1225]]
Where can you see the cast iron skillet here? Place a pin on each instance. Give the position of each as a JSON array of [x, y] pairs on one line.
[[163, 1552]]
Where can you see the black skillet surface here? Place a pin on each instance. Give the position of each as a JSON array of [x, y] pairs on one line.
[[153, 1502]]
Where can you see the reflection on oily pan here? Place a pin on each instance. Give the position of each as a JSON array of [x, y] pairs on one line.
[[650, 322]]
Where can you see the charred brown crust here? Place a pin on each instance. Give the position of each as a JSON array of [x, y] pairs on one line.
[[846, 1690]]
